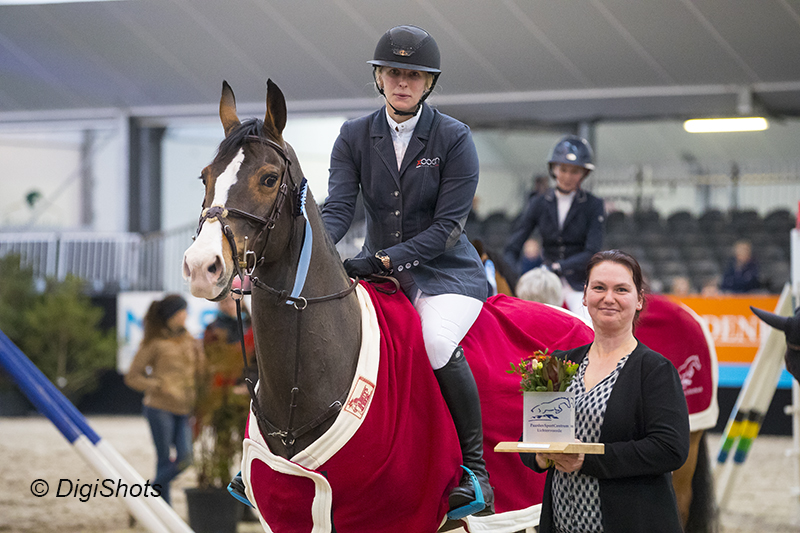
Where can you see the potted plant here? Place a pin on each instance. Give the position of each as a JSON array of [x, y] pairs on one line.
[[220, 417], [548, 409]]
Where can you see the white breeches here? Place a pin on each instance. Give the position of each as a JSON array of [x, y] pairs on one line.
[[446, 319]]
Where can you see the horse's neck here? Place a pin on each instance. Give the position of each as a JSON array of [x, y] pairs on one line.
[[314, 349]]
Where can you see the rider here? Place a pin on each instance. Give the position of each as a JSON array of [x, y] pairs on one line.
[[570, 220], [417, 171]]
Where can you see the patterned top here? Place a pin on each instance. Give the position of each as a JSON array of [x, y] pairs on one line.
[[576, 497]]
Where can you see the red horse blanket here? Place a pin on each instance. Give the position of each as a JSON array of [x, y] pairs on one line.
[[680, 335], [392, 456]]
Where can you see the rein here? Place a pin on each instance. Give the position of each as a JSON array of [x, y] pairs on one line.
[[246, 267]]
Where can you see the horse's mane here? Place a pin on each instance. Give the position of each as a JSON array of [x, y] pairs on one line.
[[231, 144]]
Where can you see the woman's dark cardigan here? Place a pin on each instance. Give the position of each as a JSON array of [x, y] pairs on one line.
[[646, 437]]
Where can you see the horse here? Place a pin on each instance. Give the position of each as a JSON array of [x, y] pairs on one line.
[[678, 333], [347, 429]]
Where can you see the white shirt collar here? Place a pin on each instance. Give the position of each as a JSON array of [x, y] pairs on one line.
[[402, 127]]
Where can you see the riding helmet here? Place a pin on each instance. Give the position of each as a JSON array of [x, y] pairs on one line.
[[572, 150], [411, 48], [407, 47]]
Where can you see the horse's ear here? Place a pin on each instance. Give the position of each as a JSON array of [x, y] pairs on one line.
[[276, 109], [227, 109]]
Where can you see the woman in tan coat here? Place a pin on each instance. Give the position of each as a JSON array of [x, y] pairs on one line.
[[166, 368]]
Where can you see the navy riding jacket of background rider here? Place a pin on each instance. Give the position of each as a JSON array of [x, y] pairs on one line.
[[417, 214], [570, 246]]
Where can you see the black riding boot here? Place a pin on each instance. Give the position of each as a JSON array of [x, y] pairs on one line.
[[461, 395]]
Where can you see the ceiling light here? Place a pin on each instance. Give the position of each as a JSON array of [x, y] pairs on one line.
[[713, 125]]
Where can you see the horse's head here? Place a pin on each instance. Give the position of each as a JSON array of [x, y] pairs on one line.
[[247, 186]]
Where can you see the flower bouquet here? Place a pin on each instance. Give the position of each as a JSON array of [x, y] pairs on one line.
[[548, 410], [541, 372]]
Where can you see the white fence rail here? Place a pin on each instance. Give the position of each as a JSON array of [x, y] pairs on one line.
[[108, 262], [114, 262]]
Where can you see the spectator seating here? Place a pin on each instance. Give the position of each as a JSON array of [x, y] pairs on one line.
[[682, 244]]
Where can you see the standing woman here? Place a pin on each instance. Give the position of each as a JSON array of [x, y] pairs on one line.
[[417, 171], [570, 220], [629, 398], [166, 369]]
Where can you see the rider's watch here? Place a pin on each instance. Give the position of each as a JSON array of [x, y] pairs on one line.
[[383, 258]]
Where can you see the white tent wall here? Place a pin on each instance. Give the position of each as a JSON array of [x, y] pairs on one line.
[[673, 166]]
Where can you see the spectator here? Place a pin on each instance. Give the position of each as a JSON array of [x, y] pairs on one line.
[[531, 256], [741, 275], [681, 286], [166, 368], [540, 285]]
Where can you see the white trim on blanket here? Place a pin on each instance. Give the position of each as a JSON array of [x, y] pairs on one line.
[[707, 418], [344, 427], [507, 522]]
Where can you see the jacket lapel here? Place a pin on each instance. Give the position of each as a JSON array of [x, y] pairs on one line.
[[580, 198], [382, 143]]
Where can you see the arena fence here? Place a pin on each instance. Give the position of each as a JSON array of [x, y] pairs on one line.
[[113, 262], [152, 512]]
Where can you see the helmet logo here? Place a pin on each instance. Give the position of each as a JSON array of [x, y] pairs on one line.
[[571, 157], [403, 52]]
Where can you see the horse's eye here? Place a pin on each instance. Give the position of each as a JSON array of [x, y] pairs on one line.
[[269, 180], [203, 179]]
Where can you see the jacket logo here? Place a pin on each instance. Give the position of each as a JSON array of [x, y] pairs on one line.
[[424, 162]]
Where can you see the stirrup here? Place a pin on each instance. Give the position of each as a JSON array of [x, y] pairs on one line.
[[236, 488], [475, 506]]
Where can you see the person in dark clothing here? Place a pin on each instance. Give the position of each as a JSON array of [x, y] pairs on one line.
[[570, 220], [629, 398], [741, 275], [417, 170]]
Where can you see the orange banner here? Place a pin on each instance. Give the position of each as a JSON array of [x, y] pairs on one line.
[[736, 330]]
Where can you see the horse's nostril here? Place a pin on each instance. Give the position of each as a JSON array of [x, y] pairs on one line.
[[213, 269]]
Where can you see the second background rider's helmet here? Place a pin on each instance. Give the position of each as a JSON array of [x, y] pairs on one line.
[[572, 150]]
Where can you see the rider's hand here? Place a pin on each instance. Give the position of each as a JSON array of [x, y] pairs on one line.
[[361, 267]]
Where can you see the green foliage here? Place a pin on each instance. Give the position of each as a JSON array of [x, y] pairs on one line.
[[17, 295], [544, 373], [57, 329]]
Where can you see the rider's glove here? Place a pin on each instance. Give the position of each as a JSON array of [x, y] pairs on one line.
[[361, 267]]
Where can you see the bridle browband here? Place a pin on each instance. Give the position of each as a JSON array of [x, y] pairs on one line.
[[246, 266]]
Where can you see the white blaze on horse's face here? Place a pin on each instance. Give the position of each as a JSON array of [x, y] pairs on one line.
[[204, 264]]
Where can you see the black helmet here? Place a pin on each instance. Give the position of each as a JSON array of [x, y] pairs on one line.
[[407, 47], [572, 150]]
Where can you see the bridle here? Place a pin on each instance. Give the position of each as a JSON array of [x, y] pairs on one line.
[[246, 267], [247, 264]]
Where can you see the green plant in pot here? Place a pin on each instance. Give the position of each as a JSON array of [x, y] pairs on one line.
[[220, 417]]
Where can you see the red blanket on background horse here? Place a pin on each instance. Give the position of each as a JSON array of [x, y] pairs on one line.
[[392, 456], [680, 335]]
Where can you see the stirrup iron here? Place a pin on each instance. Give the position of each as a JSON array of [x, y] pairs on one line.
[[475, 506]]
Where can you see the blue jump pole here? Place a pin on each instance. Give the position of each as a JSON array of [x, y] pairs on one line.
[[49, 401]]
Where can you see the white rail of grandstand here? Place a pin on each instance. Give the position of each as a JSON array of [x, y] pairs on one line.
[[115, 262]]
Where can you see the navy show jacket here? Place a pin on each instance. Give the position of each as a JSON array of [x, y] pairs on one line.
[[415, 214], [571, 246]]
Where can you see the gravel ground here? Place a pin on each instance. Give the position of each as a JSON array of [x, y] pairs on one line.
[[763, 500]]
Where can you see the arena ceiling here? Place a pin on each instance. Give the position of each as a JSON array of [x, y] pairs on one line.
[[509, 63]]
